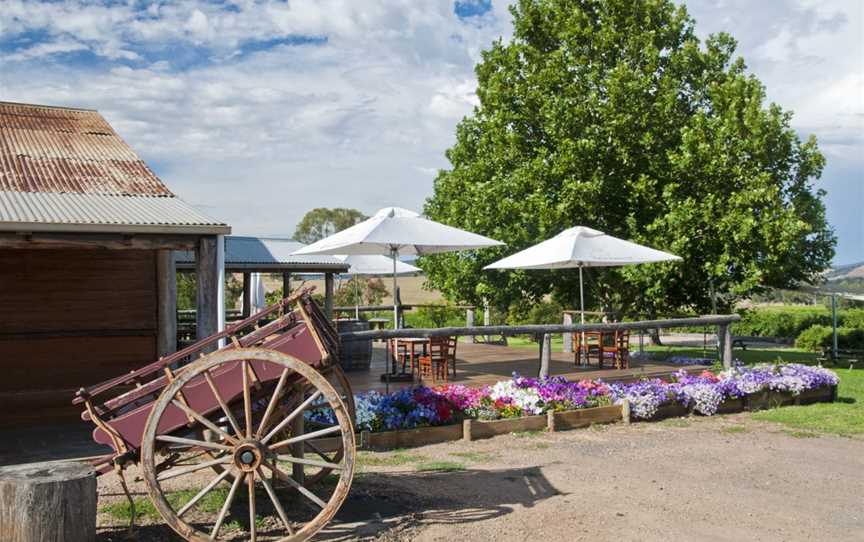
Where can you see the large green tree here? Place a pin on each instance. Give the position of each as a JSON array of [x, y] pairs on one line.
[[612, 114], [322, 222]]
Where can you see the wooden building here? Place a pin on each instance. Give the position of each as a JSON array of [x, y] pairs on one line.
[[87, 277]]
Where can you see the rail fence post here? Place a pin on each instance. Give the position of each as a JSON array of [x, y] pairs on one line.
[[545, 354], [568, 337], [724, 335], [487, 318], [469, 321]]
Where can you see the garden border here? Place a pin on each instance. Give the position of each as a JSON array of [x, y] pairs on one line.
[[471, 429]]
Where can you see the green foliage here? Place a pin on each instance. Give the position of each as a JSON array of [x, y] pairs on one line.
[[612, 114], [371, 291], [435, 316], [322, 222], [780, 322], [186, 296], [541, 312], [818, 337]]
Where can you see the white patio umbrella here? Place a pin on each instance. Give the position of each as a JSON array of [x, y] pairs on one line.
[[394, 231], [370, 265], [257, 295], [581, 247]]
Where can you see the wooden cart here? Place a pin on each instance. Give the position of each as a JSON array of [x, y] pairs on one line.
[[263, 425]]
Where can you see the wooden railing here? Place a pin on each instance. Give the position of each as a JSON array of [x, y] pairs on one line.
[[722, 321]]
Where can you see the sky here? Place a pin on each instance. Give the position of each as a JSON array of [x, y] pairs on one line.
[[258, 111]]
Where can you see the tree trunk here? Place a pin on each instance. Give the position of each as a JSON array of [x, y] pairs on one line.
[[48, 502], [654, 333]]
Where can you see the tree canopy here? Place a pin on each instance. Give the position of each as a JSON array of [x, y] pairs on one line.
[[612, 114], [322, 222]]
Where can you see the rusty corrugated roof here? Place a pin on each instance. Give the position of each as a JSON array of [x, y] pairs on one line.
[[66, 150]]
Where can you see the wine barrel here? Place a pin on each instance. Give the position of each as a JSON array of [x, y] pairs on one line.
[[355, 355]]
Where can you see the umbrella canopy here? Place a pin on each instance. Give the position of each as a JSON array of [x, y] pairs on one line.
[[394, 230], [375, 264], [372, 264], [404, 231], [581, 247]]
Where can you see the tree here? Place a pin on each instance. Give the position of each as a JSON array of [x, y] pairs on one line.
[[612, 114], [322, 222]]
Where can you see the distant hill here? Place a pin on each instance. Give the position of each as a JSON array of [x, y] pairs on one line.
[[850, 271]]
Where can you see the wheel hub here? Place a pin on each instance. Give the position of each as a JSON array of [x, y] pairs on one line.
[[248, 455]]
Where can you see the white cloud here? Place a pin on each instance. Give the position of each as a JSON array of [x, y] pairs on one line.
[[363, 119]]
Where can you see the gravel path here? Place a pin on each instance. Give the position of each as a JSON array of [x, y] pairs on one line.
[[722, 478]]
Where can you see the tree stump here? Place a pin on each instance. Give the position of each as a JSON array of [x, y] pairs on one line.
[[48, 502]]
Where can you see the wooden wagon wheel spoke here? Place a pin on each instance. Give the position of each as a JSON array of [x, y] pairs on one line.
[[253, 529], [306, 436], [192, 442], [247, 400], [209, 487], [321, 454], [275, 500], [204, 421], [174, 473], [293, 483], [277, 393], [227, 504], [310, 462], [273, 432], [231, 419]]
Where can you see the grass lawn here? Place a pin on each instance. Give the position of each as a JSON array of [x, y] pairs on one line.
[[844, 417]]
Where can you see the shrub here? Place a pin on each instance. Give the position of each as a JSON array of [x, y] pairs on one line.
[[544, 312], [780, 322], [818, 337], [435, 316]]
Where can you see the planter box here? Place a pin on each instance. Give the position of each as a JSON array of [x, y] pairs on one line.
[[730, 406], [671, 410], [476, 429], [408, 438], [573, 419]]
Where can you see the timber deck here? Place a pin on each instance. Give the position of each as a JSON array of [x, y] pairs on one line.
[[485, 364]]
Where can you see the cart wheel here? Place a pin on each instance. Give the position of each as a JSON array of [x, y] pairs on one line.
[[329, 454], [254, 451]]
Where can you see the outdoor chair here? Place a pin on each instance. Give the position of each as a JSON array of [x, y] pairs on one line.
[[440, 361], [587, 346], [617, 347]]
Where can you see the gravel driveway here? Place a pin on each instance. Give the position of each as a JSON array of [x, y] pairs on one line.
[[722, 478]]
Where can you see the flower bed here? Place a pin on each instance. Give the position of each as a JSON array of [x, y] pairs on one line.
[[520, 403]]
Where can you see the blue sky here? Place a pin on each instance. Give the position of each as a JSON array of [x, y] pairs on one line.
[[258, 110]]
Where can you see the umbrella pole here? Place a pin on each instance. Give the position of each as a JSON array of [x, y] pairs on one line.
[[394, 254], [356, 298], [582, 345]]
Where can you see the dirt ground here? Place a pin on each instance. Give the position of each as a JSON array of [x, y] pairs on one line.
[[722, 478]]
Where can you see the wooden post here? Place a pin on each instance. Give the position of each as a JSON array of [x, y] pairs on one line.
[[48, 501], [247, 294], [469, 321], [286, 283], [725, 335], [466, 430], [568, 337], [207, 283], [487, 319], [545, 355], [550, 421], [625, 411], [328, 295], [166, 311]]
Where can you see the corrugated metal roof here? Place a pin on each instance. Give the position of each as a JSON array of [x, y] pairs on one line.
[[52, 149], [65, 169], [265, 253], [35, 211]]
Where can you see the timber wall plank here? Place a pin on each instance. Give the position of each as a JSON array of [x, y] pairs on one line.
[[71, 318]]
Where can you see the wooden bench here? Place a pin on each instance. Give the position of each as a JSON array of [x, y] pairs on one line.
[[844, 355]]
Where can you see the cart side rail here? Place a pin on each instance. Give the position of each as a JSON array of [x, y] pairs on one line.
[[136, 376]]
